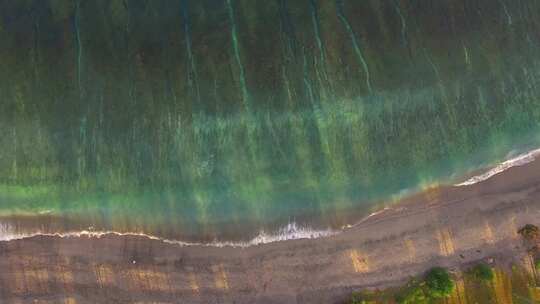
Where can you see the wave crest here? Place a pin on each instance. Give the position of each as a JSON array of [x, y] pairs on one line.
[[291, 231], [519, 160]]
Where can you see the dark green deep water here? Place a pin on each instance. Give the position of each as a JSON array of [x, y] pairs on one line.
[[194, 117]]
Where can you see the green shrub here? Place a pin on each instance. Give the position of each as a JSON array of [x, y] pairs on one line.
[[357, 299], [412, 295], [482, 272], [439, 283], [529, 232], [537, 264]]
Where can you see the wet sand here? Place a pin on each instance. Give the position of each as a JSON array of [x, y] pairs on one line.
[[446, 226]]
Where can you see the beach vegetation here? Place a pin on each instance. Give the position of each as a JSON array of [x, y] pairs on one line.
[[517, 285], [529, 232], [414, 294], [357, 299], [482, 272], [360, 298], [439, 283]]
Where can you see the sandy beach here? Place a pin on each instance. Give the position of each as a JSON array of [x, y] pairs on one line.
[[447, 226]]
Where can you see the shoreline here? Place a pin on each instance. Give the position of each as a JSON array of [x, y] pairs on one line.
[[288, 232], [445, 226], [516, 161]]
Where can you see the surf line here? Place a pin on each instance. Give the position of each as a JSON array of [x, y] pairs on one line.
[[517, 161], [291, 231]]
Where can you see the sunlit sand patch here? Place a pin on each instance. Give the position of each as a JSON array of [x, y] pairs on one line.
[[487, 233], [66, 277], [502, 287], [157, 280], [460, 291], [411, 250], [446, 243], [529, 265], [18, 283], [432, 194], [359, 262], [220, 277], [513, 227], [534, 293], [147, 279], [193, 284], [104, 275], [28, 276], [265, 277], [35, 281], [70, 301], [42, 278], [458, 296]]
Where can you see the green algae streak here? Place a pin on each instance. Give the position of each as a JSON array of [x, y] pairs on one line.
[[198, 114]]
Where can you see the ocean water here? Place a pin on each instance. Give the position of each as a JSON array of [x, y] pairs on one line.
[[220, 120]]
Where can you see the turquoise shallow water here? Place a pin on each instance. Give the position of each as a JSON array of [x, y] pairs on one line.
[[217, 118]]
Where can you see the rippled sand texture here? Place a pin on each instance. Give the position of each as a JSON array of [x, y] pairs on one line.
[[219, 118]]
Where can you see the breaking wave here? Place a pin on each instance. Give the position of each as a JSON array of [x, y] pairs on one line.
[[519, 160], [291, 231]]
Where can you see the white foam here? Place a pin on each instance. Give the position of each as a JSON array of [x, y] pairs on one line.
[[291, 231], [519, 160]]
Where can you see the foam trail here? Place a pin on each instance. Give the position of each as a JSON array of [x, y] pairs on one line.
[[519, 160], [291, 231], [236, 50], [403, 24], [193, 78], [79, 45], [356, 46]]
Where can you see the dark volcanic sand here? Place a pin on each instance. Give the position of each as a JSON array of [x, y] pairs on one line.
[[446, 226]]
